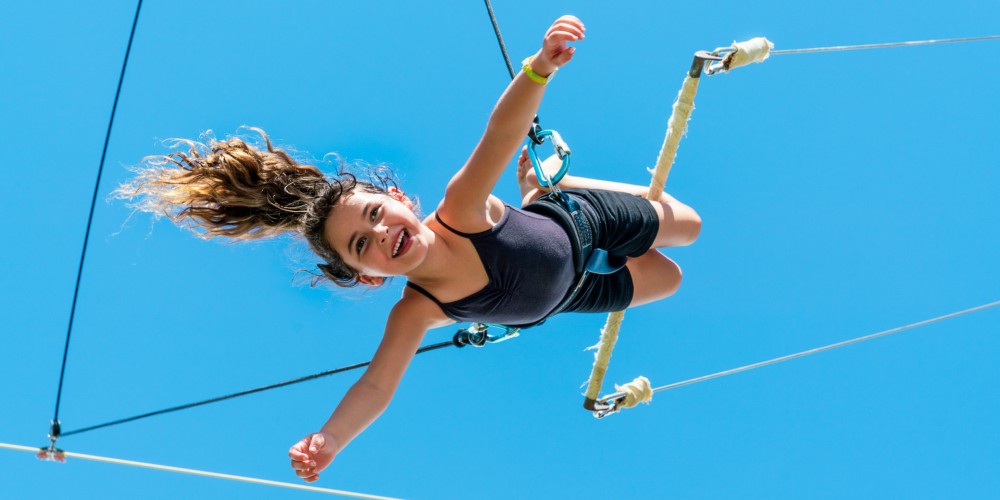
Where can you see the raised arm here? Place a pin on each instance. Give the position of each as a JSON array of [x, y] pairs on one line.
[[468, 191], [368, 398]]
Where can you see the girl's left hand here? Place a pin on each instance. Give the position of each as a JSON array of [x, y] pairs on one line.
[[555, 53]]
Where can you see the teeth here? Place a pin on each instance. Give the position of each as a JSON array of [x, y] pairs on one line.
[[399, 242]]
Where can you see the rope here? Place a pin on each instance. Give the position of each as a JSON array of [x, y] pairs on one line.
[[883, 45], [90, 218], [245, 393], [676, 127], [825, 348], [195, 472]]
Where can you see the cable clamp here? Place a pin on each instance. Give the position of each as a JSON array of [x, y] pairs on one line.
[[52, 454]]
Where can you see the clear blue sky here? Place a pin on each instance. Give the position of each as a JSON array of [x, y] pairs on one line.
[[841, 194]]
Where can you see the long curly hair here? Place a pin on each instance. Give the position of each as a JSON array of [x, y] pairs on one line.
[[233, 189]]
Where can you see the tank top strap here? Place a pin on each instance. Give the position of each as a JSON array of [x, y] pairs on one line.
[[446, 226], [425, 293]]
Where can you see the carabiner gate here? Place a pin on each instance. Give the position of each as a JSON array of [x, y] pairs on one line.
[[719, 57], [562, 150], [479, 335], [605, 406]]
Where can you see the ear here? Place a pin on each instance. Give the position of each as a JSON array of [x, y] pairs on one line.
[[398, 195], [371, 280]]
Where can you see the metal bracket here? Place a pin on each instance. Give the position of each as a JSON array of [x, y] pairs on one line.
[[52, 454], [703, 57], [605, 406]]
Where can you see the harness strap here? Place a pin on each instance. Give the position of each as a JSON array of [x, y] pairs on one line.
[[587, 260]]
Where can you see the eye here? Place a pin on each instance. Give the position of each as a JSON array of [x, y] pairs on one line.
[[374, 213], [360, 244]]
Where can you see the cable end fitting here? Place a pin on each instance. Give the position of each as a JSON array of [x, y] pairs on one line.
[[52, 454]]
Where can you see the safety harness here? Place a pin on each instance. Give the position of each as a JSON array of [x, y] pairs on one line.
[[568, 213]]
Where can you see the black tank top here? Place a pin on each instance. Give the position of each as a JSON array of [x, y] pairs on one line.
[[528, 259]]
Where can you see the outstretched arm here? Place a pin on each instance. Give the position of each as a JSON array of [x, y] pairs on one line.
[[468, 191], [368, 398]]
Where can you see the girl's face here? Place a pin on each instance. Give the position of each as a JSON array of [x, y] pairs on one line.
[[377, 234]]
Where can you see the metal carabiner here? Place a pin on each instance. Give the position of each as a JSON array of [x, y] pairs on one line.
[[508, 333], [719, 56], [605, 406], [479, 335], [562, 150]]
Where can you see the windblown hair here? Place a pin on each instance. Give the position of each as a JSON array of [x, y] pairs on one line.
[[233, 189]]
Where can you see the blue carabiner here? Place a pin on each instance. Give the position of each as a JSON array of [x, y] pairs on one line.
[[562, 150], [508, 333]]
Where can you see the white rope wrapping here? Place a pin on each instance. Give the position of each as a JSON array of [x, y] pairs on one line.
[[636, 391], [751, 51], [201, 473]]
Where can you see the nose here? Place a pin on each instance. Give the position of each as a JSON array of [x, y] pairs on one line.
[[382, 231]]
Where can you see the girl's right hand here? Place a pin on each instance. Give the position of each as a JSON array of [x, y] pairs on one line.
[[312, 454]]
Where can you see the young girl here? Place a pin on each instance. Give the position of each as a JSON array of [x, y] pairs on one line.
[[474, 259]]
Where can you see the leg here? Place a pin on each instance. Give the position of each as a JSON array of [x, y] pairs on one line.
[[679, 223], [654, 277]]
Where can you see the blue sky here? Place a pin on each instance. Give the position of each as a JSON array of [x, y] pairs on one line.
[[841, 194]]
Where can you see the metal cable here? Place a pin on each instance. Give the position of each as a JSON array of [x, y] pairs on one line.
[[196, 472], [90, 218], [824, 348], [503, 48], [882, 45], [245, 393]]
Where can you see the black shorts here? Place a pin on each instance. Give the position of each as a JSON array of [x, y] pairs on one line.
[[625, 225]]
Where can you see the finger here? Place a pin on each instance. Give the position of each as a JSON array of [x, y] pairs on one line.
[[306, 473], [562, 36], [318, 442], [571, 27], [303, 465], [572, 20], [311, 479]]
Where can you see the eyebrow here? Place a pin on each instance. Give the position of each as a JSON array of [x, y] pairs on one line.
[[350, 243]]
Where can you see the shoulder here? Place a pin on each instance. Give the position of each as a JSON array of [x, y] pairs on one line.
[[472, 221], [415, 308]]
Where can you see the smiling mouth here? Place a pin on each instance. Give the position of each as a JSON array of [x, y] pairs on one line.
[[401, 243]]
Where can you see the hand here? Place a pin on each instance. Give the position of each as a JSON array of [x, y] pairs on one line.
[[312, 454], [555, 53]]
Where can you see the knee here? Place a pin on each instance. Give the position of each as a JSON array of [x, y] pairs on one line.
[[672, 279], [695, 226], [654, 277], [686, 224]]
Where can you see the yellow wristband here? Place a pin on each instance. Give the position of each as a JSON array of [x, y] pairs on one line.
[[535, 77]]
